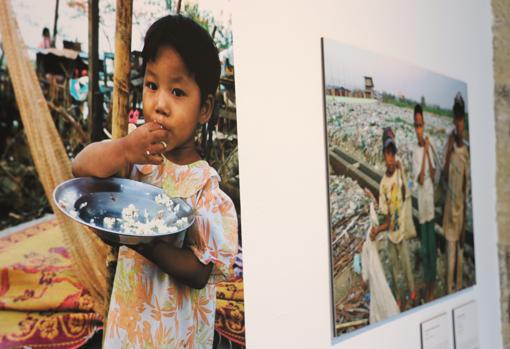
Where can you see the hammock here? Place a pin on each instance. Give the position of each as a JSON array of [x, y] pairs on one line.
[[89, 253]]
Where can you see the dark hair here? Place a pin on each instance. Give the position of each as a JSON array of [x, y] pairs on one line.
[[46, 32], [192, 42], [388, 140], [417, 110], [392, 148], [458, 107]]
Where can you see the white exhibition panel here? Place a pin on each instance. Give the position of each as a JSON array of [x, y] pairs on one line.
[[283, 161]]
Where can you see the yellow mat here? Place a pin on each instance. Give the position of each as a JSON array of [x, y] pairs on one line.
[[42, 303], [229, 319]]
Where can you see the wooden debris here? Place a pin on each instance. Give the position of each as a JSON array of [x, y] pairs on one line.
[[355, 323], [84, 137]]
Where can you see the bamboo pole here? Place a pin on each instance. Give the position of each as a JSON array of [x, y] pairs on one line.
[[120, 100], [95, 121], [122, 69], [55, 21]]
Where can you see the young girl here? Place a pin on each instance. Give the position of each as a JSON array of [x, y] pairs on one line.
[[164, 293]]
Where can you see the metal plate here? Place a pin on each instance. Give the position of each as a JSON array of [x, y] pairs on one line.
[[89, 200]]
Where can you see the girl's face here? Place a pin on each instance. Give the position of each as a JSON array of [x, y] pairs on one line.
[[171, 97], [389, 159], [459, 128], [418, 127]]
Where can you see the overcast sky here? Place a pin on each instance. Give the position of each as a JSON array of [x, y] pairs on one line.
[[346, 66]]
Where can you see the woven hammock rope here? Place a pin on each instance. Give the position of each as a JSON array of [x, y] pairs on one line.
[[89, 253]]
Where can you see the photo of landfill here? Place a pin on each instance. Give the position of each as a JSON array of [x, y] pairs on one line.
[[399, 184]]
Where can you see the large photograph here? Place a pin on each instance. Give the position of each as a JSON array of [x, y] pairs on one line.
[[120, 221], [399, 184]]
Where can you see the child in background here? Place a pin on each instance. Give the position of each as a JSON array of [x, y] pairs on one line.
[[391, 199], [46, 39], [456, 170], [164, 293], [424, 171]]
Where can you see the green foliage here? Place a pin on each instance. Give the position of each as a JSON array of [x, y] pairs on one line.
[[433, 109], [192, 11], [409, 103], [222, 35], [438, 111], [399, 120], [169, 4]]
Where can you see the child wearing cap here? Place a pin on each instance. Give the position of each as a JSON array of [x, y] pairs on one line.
[[424, 170], [391, 199], [456, 170]]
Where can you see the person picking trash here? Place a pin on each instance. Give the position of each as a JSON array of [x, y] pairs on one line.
[[392, 192]]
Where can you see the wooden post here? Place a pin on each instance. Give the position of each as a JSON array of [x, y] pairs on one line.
[[501, 44], [95, 119], [55, 20], [178, 7], [122, 69]]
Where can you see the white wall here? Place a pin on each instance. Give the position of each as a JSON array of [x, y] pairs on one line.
[[282, 156]]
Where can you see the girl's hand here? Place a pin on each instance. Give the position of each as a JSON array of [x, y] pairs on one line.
[[421, 178], [369, 194], [146, 144], [373, 233]]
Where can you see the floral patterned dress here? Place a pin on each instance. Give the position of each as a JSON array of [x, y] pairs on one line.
[[148, 308]]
